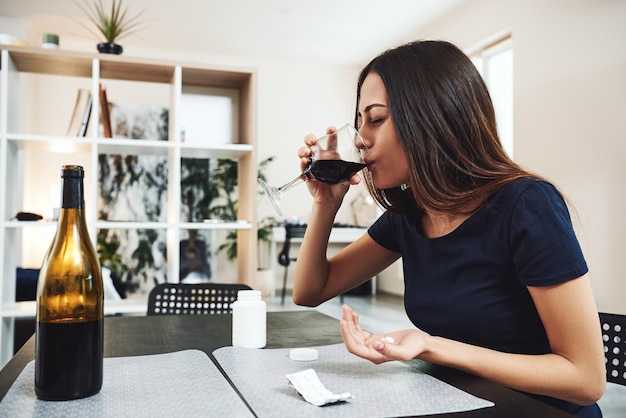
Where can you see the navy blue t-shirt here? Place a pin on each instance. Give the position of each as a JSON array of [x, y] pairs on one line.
[[470, 285]]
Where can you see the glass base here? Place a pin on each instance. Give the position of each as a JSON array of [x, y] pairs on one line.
[[273, 194]]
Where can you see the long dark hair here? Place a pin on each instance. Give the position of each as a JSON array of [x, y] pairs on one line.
[[446, 123]]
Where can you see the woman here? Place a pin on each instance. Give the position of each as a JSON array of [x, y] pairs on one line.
[[495, 280]]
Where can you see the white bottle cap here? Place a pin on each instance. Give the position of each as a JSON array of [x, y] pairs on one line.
[[303, 354]]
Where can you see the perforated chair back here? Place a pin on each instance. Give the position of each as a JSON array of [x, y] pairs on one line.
[[284, 259], [193, 299], [614, 339]]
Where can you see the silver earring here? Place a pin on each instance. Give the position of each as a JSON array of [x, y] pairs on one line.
[[404, 186]]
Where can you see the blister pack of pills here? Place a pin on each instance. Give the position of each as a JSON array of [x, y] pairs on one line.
[[309, 386]]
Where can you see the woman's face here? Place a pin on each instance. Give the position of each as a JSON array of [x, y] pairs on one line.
[[384, 155]]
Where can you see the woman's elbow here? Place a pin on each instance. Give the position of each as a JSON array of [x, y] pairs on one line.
[[590, 390], [595, 392], [304, 299]]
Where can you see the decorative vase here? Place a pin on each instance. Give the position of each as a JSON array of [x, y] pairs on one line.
[[110, 48]]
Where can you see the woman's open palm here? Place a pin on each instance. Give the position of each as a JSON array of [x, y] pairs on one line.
[[402, 345]]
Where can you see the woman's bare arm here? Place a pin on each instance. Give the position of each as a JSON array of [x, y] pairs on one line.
[[318, 279], [574, 371]]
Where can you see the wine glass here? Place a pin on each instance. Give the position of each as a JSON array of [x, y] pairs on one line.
[[335, 158]]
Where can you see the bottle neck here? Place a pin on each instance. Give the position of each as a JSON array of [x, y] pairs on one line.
[[72, 196]]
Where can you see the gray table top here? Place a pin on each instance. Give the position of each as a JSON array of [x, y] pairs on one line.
[[143, 335]]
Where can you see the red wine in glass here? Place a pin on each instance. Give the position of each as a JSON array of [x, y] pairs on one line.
[[332, 171], [335, 158]]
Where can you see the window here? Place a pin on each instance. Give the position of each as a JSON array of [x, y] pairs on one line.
[[495, 63]]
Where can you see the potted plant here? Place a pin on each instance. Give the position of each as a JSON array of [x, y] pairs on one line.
[[113, 23]]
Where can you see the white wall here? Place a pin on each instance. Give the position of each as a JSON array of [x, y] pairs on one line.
[[569, 71]]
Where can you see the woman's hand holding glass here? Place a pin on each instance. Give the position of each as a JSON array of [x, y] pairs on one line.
[[324, 192], [334, 158]]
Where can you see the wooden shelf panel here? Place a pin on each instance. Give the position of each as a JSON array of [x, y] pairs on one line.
[[70, 145], [131, 225], [178, 225], [46, 61], [233, 151], [15, 224], [111, 307], [208, 224], [117, 67], [134, 146], [198, 76], [78, 64], [216, 224], [52, 144]]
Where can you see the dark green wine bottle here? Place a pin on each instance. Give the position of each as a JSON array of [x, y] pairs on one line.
[[70, 304]]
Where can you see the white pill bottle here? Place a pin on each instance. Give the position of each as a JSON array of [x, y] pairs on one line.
[[249, 320]]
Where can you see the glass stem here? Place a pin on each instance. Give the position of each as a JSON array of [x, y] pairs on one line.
[[282, 189]]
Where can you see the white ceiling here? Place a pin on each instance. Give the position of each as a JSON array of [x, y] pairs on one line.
[[340, 31]]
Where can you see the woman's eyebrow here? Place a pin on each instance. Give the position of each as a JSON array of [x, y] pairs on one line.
[[373, 105]]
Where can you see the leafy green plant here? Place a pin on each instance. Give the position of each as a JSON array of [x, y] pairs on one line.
[[197, 182], [214, 185], [225, 175], [113, 24], [108, 253]]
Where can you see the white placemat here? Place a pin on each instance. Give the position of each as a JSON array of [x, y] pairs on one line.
[[184, 383], [389, 389]]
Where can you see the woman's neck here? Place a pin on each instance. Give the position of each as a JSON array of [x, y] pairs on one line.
[[438, 224], [435, 225]]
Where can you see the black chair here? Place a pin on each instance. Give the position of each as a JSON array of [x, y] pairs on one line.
[[614, 339], [291, 231], [193, 299]]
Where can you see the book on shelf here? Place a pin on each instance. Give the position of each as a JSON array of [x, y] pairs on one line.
[[105, 115], [82, 112]]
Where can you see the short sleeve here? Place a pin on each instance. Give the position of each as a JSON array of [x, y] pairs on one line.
[[544, 246], [382, 231]]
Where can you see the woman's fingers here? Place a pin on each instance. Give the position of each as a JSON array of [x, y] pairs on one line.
[[357, 341]]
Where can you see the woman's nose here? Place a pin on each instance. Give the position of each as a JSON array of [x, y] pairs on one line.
[[359, 143]]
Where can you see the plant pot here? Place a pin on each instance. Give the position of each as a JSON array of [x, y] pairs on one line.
[[110, 48]]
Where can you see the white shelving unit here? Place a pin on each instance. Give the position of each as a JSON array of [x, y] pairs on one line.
[[24, 141]]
